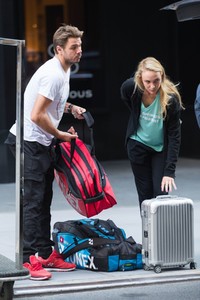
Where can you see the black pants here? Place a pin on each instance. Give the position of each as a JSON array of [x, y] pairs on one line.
[[148, 169], [38, 193]]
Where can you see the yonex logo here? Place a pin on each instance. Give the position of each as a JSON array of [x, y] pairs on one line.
[[91, 242], [83, 260]]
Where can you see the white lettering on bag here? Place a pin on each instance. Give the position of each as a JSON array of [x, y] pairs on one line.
[[83, 260], [90, 242]]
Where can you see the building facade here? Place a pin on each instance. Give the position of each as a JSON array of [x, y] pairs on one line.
[[117, 34]]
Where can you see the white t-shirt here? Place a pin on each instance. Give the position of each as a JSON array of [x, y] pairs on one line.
[[52, 82]]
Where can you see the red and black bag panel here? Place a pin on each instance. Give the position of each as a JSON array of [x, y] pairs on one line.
[[81, 171], [81, 177]]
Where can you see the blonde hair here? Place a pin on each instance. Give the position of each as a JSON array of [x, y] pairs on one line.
[[167, 87], [63, 33]]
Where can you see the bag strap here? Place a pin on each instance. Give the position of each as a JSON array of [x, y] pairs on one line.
[[86, 230], [88, 243], [89, 122], [88, 119]]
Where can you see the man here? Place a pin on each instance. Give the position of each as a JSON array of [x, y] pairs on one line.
[[45, 101], [197, 105]]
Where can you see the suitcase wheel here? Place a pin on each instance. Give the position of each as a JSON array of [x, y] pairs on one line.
[[146, 268], [157, 269], [193, 265]]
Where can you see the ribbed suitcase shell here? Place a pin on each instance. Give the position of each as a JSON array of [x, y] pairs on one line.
[[167, 233]]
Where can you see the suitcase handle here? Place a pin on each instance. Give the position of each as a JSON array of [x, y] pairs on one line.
[[160, 197]]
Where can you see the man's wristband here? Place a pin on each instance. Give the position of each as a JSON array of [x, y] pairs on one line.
[[69, 109]]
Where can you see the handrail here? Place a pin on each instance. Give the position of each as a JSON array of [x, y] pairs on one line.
[[19, 172]]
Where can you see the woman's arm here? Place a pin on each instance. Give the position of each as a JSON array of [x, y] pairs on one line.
[[172, 137], [126, 91]]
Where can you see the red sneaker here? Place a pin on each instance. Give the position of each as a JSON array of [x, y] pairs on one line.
[[55, 262], [36, 270]]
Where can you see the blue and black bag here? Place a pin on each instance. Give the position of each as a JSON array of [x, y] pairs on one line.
[[97, 245]]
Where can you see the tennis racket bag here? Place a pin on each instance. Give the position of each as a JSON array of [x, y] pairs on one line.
[[81, 177], [96, 245]]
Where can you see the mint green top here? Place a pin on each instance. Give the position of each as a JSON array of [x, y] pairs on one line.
[[150, 129]]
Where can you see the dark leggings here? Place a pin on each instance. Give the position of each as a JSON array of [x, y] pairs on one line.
[[148, 168]]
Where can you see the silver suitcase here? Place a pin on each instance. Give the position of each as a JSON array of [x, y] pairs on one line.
[[167, 233]]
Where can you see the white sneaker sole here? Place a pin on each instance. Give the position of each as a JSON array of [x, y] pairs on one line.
[[59, 270], [38, 278]]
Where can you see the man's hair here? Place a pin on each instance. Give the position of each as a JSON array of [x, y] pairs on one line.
[[63, 33]]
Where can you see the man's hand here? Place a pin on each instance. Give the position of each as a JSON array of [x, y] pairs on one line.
[[67, 136], [72, 130], [77, 112]]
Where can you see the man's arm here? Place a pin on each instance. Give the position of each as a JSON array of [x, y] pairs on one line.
[[40, 117], [75, 110]]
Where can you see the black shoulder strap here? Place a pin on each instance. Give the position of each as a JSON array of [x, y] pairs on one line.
[[86, 230], [73, 143], [89, 243], [117, 230], [90, 122], [88, 119]]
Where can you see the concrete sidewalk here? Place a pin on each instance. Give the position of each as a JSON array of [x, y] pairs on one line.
[[125, 214]]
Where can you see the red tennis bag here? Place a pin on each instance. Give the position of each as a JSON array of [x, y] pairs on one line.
[[82, 178]]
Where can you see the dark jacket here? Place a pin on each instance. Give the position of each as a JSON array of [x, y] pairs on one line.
[[172, 123]]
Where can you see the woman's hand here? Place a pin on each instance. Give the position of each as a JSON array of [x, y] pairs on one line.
[[168, 184]]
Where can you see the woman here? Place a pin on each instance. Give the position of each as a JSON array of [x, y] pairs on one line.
[[154, 129]]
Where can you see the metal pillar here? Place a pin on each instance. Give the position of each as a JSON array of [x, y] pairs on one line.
[[19, 173]]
